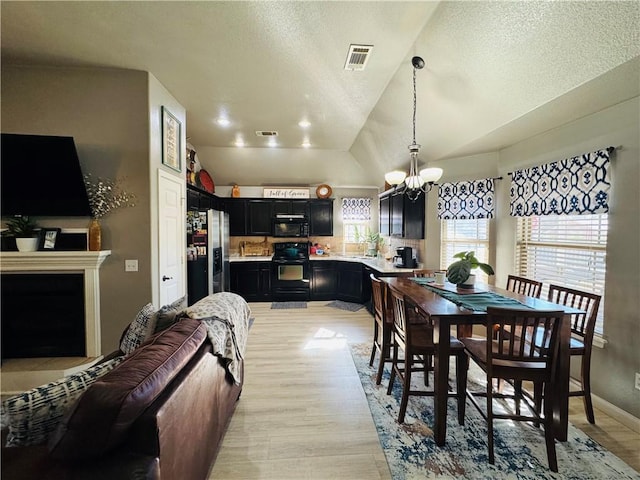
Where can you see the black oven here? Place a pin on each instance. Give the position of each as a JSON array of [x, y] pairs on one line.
[[290, 225], [290, 271]]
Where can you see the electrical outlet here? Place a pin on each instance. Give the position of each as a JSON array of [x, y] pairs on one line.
[[131, 265], [638, 381]]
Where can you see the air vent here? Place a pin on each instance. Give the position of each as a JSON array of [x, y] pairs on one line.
[[358, 56], [266, 133]]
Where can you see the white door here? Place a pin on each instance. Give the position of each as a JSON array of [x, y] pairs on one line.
[[171, 237]]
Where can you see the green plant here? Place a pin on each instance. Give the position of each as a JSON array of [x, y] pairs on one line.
[[369, 236], [21, 226], [459, 271]]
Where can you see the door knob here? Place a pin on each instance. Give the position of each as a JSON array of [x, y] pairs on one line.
[[165, 278]]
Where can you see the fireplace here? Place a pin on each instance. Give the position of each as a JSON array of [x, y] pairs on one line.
[[51, 303], [42, 315]]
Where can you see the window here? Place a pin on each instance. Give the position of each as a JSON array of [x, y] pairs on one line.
[[356, 217], [464, 235], [567, 250]]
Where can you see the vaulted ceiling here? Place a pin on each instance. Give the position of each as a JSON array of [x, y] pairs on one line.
[[496, 72]]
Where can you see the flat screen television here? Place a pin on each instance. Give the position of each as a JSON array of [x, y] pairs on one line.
[[41, 177]]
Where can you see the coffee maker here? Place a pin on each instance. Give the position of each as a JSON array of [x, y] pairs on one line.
[[404, 258]]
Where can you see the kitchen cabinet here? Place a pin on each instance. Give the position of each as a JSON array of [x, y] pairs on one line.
[[324, 280], [321, 218], [237, 210], [251, 280], [401, 217], [350, 285], [290, 206], [259, 217]]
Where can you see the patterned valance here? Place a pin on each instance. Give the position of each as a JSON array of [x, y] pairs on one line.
[[460, 200], [573, 186], [356, 209]]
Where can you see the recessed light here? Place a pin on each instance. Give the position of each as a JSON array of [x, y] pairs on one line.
[[273, 142], [239, 143], [306, 144], [304, 123], [223, 121]]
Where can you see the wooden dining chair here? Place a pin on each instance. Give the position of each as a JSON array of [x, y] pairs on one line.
[[514, 358], [582, 330], [524, 286], [382, 326], [413, 334]]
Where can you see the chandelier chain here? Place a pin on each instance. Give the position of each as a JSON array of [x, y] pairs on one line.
[[414, 105]]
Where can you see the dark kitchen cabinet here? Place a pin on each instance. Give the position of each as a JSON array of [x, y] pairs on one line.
[[197, 279], [259, 217], [400, 217], [290, 206], [324, 280], [237, 210], [251, 280], [321, 218], [350, 285]]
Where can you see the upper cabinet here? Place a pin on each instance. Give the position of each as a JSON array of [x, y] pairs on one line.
[[252, 216], [400, 217]]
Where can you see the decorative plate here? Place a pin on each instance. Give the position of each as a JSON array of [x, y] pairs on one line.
[[205, 181], [323, 191]]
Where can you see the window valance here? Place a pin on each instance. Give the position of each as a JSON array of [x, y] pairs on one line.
[[469, 199], [356, 208], [573, 186]]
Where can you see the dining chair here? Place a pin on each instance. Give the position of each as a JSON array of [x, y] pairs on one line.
[[582, 330], [517, 358], [413, 334], [421, 272], [382, 326], [524, 286]]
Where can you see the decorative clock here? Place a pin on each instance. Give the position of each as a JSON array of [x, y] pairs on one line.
[[323, 191]]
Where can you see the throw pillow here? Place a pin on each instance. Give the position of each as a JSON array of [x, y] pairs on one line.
[[101, 418], [169, 314], [33, 415], [140, 329]]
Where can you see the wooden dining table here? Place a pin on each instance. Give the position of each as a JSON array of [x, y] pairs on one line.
[[445, 314]]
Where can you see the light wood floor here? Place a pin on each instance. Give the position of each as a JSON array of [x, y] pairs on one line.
[[303, 413]]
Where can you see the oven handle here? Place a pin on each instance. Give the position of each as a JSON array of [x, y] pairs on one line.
[[289, 262]]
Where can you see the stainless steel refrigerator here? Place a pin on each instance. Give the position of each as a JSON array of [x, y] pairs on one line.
[[218, 251]]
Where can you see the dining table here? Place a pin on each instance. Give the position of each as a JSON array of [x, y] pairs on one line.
[[448, 306]]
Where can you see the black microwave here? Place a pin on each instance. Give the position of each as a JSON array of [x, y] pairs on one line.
[[294, 225]]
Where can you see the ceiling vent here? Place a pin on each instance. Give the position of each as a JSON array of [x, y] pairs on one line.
[[358, 57], [266, 133]]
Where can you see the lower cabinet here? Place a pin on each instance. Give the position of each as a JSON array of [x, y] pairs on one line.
[[350, 285], [324, 280], [251, 280]]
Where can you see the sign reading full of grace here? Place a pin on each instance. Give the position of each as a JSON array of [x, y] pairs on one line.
[[286, 193]]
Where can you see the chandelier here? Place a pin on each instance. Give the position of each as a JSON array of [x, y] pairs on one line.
[[415, 183]]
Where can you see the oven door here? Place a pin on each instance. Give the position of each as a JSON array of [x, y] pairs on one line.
[[290, 280]]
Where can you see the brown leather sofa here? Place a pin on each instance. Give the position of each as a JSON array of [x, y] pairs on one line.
[[160, 414]]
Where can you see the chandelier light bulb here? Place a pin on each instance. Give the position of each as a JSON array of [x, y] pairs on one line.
[[395, 178], [430, 175]]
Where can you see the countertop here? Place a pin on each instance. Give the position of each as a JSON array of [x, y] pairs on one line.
[[379, 265]]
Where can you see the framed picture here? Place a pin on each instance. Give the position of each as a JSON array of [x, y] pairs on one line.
[[48, 237], [171, 137]]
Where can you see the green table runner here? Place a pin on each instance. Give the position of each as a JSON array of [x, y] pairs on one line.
[[477, 302]]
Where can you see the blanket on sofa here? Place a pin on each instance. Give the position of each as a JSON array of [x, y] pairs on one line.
[[226, 316]]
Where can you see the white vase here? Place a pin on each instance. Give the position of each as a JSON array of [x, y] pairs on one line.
[[470, 281], [27, 244]]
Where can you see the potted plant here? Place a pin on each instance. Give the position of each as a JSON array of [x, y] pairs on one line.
[[459, 272], [372, 240], [25, 231]]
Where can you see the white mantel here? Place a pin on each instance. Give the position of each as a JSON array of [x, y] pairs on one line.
[[87, 263]]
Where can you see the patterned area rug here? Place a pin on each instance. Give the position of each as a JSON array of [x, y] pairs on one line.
[[286, 305], [351, 307], [519, 447]]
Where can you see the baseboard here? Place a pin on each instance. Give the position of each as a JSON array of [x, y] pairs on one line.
[[614, 412]]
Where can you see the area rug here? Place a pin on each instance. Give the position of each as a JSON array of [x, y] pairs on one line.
[[520, 451], [286, 305], [351, 307]]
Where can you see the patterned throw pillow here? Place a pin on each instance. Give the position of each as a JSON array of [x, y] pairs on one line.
[[33, 415], [168, 314], [140, 329]]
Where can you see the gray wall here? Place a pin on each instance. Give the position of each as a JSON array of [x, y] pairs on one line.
[[613, 367], [108, 114]]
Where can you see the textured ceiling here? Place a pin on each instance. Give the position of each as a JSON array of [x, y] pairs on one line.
[[496, 73]]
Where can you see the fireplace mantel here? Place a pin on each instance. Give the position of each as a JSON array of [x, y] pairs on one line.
[[67, 262]]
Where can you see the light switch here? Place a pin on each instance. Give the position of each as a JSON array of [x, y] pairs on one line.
[[131, 265]]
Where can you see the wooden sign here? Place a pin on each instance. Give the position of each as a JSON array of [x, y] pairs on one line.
[[286, 192]]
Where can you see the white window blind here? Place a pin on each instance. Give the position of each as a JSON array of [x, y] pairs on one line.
[[356, 216], [568, 250], [464, 235]]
